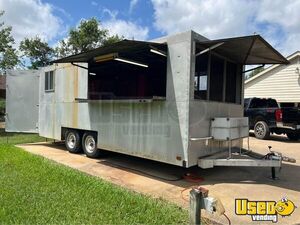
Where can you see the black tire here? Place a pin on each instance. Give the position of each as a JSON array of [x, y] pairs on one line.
[[293, 136], [261, 130], [89, 145], [73, 141]]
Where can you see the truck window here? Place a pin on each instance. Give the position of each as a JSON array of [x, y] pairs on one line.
[[263, 103], [246, 102], [231, 82], [256, 103], [272, 103]]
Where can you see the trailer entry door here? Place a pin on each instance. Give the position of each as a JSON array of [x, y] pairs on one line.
[[22, 99]]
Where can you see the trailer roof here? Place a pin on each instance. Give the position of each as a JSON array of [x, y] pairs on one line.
[[247, 50], [123, 46]]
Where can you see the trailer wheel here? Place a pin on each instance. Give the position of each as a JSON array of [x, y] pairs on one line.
[[89, 145], [73, 141], [261, 130], [293, 136]]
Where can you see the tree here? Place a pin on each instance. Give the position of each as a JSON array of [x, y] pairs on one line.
[[87, 36], [39, 52], [254, 72], [112, 39], [8, 55]]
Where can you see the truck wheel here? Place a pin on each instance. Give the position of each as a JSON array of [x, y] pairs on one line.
[[73, 141], [261, 130], [293, 136], [89, 145]]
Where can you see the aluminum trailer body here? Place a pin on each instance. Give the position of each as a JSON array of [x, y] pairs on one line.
[[174, 130]]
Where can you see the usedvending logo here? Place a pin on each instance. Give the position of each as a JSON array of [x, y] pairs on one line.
[[264, 210]]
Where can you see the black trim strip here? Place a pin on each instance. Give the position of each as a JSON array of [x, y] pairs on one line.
[[83, 67]]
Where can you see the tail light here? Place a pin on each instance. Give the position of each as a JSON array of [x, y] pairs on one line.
[[278, 115]]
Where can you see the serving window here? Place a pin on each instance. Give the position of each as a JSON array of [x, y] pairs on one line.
[[217, 79], [139, 75]]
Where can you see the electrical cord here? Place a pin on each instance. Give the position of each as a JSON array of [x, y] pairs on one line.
[[183, 190], [193, 178], [229, 222], [188, 177]]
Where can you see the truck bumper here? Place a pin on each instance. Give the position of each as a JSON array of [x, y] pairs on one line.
[[287, 126]]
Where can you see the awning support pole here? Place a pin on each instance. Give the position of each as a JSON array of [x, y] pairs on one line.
[[209, 49], [83, 67], [246, 71]]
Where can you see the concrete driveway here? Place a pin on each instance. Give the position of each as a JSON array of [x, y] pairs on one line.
[[161, 180]]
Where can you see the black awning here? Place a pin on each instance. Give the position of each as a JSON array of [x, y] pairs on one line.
[[248, 50], [121, 47]]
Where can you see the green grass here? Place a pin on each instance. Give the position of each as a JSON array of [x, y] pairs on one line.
[[2, 104], [34, 190], [18, 138]]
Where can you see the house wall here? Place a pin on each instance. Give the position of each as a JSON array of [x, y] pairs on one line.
[[281, 83]]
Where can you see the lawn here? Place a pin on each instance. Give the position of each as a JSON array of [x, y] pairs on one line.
[[18, 138], [34, 190], [2, 105]]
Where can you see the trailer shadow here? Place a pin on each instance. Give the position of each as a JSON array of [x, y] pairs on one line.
[[288, 176], [155, 170]]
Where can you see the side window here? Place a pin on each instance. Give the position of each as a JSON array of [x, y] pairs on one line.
[[49, 81], [253, 103], [258, 103], [217, 79], [200, 79], [272, 103]]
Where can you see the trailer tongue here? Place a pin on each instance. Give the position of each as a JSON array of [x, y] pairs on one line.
[[231, 129]]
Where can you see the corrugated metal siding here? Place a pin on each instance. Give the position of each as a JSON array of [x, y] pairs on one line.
[[282, 84]]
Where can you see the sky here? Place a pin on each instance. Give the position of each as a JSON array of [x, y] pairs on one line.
[[278, 21]]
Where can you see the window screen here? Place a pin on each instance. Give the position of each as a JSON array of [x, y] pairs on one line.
[[213, 73], [49, 81], [231, 82], [216, 78]]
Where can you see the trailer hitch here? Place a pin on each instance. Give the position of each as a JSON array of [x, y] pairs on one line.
[[279, 156], [273, 155]]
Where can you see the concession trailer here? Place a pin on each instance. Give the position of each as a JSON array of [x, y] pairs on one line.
[[176, 99]]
